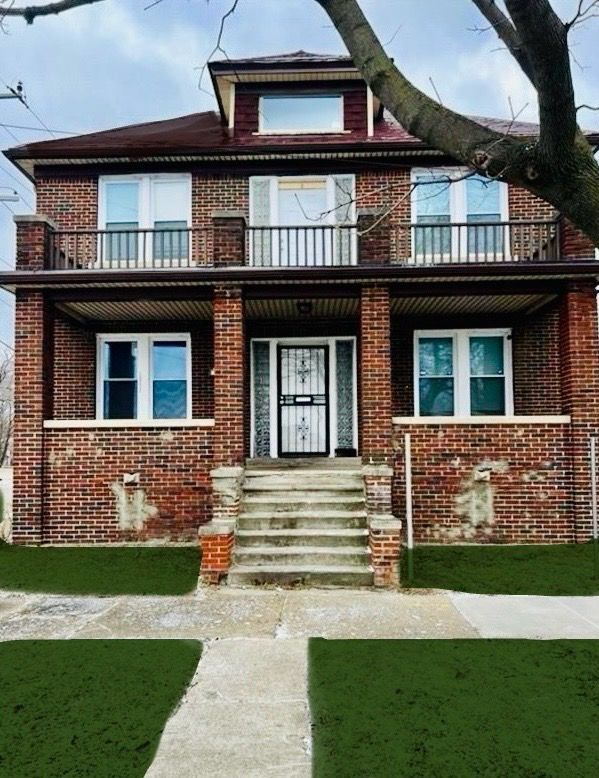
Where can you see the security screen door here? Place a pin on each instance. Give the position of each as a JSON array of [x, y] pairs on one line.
[[303, 408]]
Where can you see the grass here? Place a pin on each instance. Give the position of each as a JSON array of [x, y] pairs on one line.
[[467, 708], [558, 570], [101, 571], [88, 707]]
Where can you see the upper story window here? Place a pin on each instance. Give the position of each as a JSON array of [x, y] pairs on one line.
[[478, 204], [300, 113], [313, 219], [146, 219], [463, 373], [144, 377]]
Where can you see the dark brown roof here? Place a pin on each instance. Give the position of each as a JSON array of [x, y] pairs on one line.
[[204, 133], [298, 58]]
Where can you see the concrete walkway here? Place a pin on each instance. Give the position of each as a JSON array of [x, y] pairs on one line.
[[245, 713]]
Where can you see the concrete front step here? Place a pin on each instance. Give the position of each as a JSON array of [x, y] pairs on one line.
[[301, 555], [315, 503], [292, 575], [310, 520], [305, 486], [301, 537]]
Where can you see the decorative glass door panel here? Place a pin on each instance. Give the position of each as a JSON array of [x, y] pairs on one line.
[[303, 380]]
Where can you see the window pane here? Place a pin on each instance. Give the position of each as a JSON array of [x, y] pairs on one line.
[[170, 201], [486, 356], [483, 196], [169, 359], [120, 399], [170, 399], [487, 396], [119, 359], [309, 112], [436, 396], [169, 379], [120, 244], [302, 205], [171, 240], [436, 356], [431, 196], [122, 202]]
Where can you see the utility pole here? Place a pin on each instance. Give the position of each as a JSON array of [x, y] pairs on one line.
[[14, 94]]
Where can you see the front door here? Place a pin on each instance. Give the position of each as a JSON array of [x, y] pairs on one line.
[[303, 401]]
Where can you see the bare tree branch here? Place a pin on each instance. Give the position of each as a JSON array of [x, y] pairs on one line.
[[31, 12], [507, 33]]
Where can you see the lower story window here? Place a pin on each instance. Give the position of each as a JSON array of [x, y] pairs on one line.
[[463, 373], [144, 377]]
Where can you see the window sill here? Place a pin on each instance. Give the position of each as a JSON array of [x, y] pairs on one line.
[[61, 424], [423, 420], [264, 133]]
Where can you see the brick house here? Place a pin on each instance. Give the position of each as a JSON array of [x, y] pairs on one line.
[[281, 327]]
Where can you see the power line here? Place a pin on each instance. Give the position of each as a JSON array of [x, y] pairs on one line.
[[38, 129], [4, 262], [6, 345], [20, 97], [20, 184]]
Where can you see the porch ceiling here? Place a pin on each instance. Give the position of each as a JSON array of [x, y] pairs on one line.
[[307, 307]]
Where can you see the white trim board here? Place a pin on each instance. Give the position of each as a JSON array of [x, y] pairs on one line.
[[64, 424], [472, 420]]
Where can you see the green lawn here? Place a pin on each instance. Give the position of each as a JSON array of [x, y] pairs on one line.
[[560, 569], [464, 708], [88, 707], [104, 571]]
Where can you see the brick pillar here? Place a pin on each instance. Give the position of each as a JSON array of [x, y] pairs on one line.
[[217, 537], [376, 426], [574, 244], [33, 382], [374, 238], [579, 339], [33, 232], [228, 238]]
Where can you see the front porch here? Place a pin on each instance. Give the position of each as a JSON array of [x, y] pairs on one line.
[[324, 372]]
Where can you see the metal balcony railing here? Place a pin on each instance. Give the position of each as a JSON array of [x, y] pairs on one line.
[[302, 246], [128, 249], [438, 243]]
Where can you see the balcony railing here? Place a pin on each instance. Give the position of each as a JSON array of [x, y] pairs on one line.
[[128, 249], [301, 246], [434, 243], [424, 243]]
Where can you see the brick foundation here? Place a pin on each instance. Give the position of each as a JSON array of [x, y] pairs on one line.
[[82, 466], [528, 486]]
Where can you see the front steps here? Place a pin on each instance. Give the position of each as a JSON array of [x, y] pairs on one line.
[[302, 521]]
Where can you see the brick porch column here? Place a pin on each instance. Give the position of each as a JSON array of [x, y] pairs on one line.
[[217, 538], [33, 382], [579, 338], [376, 433]]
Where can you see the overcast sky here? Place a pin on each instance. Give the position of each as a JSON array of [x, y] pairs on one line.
[[115, 63]]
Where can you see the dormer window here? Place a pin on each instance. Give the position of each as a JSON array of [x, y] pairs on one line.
[[288, 114]]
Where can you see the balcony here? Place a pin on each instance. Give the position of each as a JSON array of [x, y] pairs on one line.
[[234, 244]]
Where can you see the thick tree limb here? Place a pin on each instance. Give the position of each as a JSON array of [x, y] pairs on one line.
[[545, 38], [507, 33], [30, 12]]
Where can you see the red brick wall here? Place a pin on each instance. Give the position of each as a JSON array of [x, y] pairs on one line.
[[375, 374], [70, 201], [33, 403], [75, 364], [229, 377], [80, 466], [531, 481]]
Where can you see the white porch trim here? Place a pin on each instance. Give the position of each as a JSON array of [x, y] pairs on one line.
[[64, 424], [472, 420]]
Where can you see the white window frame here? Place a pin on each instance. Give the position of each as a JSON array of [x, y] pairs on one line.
[[329, 220], [144, 372], [461, 367], [146, 204], [314, 131], [458, 205]]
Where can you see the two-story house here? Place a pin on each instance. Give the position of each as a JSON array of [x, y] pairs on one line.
[[293, 327]]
